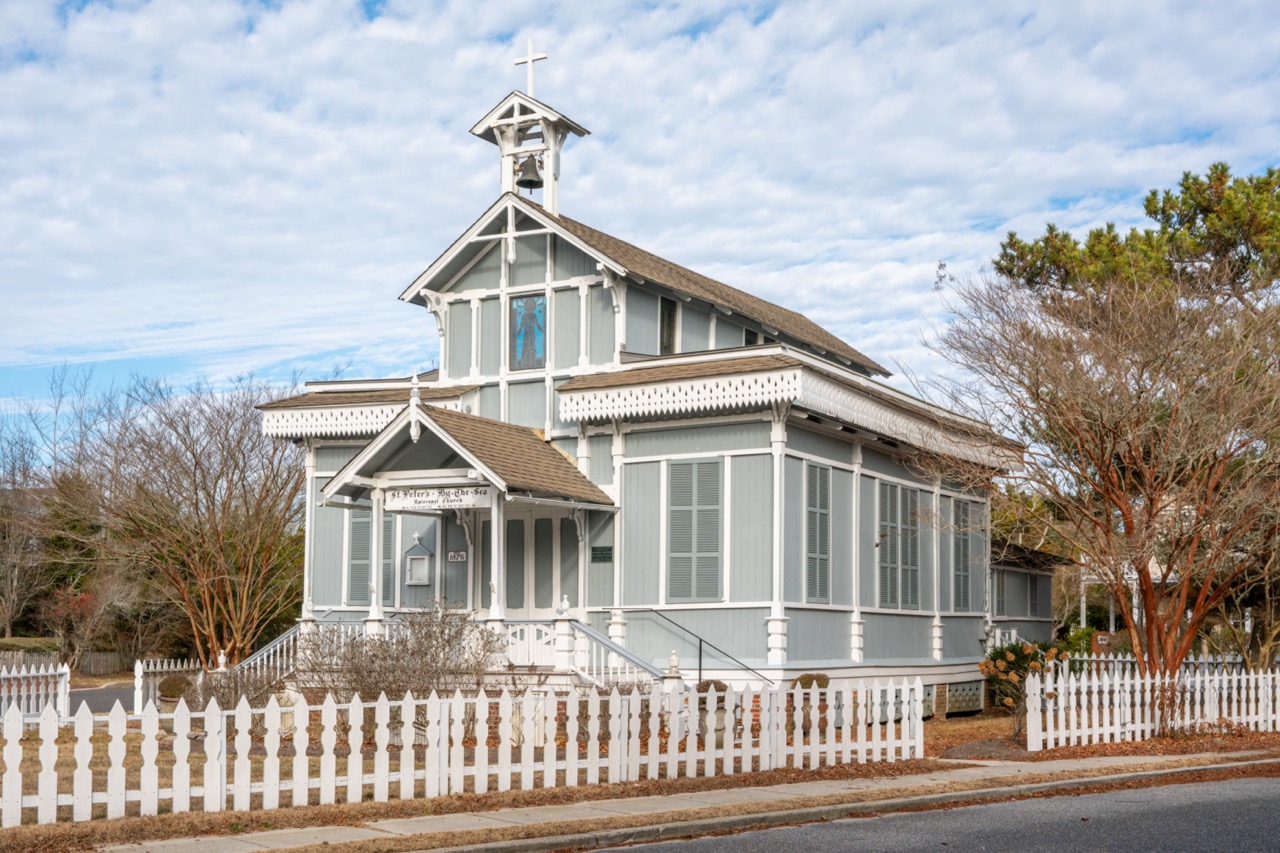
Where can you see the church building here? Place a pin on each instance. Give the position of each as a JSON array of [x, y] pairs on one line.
[[624, 452]]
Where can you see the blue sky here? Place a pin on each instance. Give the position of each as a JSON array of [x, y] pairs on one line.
[[203, 188]]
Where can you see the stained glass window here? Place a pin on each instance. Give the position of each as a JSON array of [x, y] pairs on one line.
[[528, 332]]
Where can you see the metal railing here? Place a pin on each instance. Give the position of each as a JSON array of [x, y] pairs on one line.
[[702, 641], [602, 662]]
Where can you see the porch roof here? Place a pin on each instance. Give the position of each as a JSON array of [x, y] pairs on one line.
[[516, 459]]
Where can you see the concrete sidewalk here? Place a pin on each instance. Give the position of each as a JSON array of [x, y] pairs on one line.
[[601, 823]]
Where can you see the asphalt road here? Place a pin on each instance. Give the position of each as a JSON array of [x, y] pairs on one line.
[[1237, 816], [101, 699]]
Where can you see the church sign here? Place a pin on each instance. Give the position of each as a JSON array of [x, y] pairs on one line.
[[436, 499]]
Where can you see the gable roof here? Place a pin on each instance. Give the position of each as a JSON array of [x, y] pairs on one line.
[[518, 455], [649, 266], [623, 258], [484, 127]]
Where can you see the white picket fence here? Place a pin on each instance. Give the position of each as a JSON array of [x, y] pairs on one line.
[[245, 758], [149, 672], [1101, 706], [29, 690]]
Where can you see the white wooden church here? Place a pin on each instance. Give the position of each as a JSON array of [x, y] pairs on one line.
[[621, 450]]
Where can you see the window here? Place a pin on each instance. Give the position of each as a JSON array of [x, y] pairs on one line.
[[960, 554], [899, 546], [528, 332], [693, 530], [667, 327], [750, 337], [817, 534], [1033, 595], [1000, 602]]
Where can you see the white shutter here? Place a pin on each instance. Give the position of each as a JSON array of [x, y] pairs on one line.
[[388, 559], [360, 520]]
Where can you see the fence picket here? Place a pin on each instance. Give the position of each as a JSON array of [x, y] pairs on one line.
[[504, 740], [47, 783], [593, 738], [328, 751], [408, 765], [300, 768], [215, 757], [571, 740], [11, 793], [355, 750], [149, 774], [381, 755], [271, 761], [241, 781], [82, 776], [116, 779], [457, 731]]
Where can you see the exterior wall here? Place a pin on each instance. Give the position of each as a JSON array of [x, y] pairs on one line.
[[566, 318], [750, 563], [712, 438], [695, 329], [527, 404], [893, 637], [457, 363], [601, 471], [728, 333], [642, 321], [641, 522], [740, 632], [569, 559], [963, 638], [817, 637], [600, 574]]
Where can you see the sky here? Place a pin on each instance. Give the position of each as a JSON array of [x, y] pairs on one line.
[[208, 188]]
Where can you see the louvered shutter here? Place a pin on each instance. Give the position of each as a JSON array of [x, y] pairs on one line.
[[818, 534], [889, 551], [388, 559], [694, 530], [910, 548], [708, 534], [360, 520], [680, 530], [960, 554]]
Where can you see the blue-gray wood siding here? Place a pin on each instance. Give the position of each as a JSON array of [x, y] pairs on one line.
[[890, 637], [600, 326], [875, 462], [700, 439], [962, 638], [867, 533], [817, 636], [570, 262], [728, 333], [843, 569], [458, 363], [527, 404], [531, 261], [454, 576], [695, 329], [751, 526], [489, 402], [642, 321], [331, 458], [328, 528], [566, 318], [601, 459], [417, 595], [641, 513], [600, 575], [490, 344], [569, 560], [815, 444], [558, 422], [793, 520], [740, 632], [486, 274], [567, 446]]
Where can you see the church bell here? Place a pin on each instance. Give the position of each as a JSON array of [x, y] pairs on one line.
[[529, 177]]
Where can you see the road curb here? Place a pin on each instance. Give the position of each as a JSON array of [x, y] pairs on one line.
[[813, 814]]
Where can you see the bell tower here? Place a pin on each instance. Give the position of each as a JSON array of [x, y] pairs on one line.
[[530, 136]]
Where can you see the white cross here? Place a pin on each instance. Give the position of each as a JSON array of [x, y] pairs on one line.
[[529, 60]]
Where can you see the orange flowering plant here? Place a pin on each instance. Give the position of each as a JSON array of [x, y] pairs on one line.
[[1006, 669]]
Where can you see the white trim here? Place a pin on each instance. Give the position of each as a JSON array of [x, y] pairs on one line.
[[638, 460], [664, 511], [819, 460]]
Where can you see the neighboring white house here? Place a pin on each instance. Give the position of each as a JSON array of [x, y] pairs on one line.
[[668, 461]]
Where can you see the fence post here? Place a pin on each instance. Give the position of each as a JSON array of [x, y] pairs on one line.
[[137, 686], [63, 703], [1035, 710], [564, 639]]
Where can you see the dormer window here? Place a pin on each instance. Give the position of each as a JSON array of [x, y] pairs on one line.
[[667, 327]]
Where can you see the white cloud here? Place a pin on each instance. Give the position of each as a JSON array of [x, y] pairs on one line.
[[238, 187]]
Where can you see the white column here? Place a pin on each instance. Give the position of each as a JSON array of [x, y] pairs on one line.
[[777, 621], [856, 622], [497, 557], [618, 568], [373, 624], [308, 608], [935, 549]]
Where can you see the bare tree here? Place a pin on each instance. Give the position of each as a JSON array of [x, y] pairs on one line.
[[194, 493], [1149, 415], [24, 575]]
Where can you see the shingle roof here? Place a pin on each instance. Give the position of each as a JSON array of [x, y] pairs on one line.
[[1008, 553], [659, 270], [518, 455], [317, 399]]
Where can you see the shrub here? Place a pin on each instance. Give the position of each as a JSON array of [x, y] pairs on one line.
[[173, 686], [1007, 668]]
